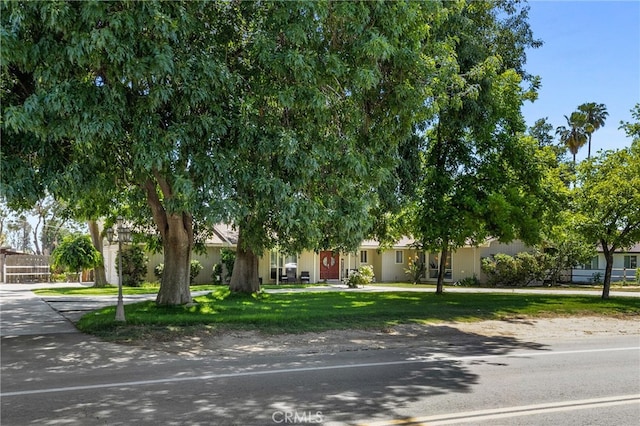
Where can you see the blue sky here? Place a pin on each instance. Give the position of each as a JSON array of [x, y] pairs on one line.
[[591, 53]]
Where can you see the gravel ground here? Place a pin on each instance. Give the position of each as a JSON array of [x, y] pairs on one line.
[[495, 332]]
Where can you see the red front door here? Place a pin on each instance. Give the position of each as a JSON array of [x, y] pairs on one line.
[[329, 265]]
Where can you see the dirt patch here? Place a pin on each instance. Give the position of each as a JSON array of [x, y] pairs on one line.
[[209, 342], [553, 328]]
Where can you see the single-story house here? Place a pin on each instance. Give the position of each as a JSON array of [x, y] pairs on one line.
[[625, 265], [389, 264]]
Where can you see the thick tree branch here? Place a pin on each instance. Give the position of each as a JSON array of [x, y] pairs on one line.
[[164, 185], [158, 212]]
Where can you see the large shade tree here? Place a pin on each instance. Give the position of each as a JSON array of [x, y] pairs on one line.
[[607, 199], [543, 132], [126, 95], [480, 175], [346, 80], [266, 114]]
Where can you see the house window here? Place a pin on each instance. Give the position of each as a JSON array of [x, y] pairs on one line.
[[631, 262], [283, 266], [274, 264], [363, 256], [593, 264], [399, 256], [434, 266]]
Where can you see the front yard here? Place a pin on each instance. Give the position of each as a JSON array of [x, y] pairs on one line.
[[299, 312]]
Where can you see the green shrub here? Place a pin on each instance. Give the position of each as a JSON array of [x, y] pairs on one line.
[[596, 278], [533, 266], [501, 269], [415, 270], [469, 282], [638, 275], [134, 266], [158, 270], [58, 278], [521, 270], [228, 258], [74, 254], [217, 274], [194, 269], [362, 276]]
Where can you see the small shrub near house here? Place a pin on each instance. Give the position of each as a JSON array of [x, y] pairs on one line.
[[362, 276], [469, 282], [501, 269], [134, 266], [416, 270], [158, 270], [228, 258], [596, 278], [216, 276], [521, 270], [194, 269]]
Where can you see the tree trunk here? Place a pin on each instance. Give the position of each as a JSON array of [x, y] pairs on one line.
[[176, 230], [441, 269], [99, 273], [244, 278], [176, 242], [35, 238], [608, 255]]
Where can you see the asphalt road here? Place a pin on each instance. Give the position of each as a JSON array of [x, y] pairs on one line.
[[72, 379], [53, 375]]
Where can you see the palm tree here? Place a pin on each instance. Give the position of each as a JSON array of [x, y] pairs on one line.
[[595, 115], [574, 136]]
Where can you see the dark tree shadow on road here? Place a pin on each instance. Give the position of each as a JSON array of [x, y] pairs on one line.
[[205, 391]]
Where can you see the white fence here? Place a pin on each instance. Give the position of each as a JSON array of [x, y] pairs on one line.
[[591, 275], [26, 268]]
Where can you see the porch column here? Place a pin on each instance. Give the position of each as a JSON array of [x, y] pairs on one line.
[[315, 267], [474, 260], [277, 267]]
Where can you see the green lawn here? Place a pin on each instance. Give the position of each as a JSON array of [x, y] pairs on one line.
[[617, 286], [296, 312], [152, 288], [146, 288]]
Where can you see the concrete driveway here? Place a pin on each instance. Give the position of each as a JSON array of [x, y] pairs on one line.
[[24, 313]]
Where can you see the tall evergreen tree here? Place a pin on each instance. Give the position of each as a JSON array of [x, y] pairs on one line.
[[595, 116], [574, 136]]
